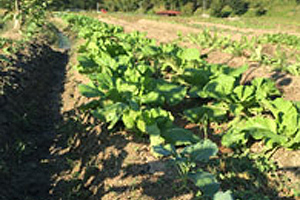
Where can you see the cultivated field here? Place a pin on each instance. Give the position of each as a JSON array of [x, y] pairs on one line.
[[124, 106]]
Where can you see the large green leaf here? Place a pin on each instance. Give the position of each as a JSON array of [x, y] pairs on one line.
[[152, 97], [195, 77], [218, 88], [201, 151], [205, 181], [155, 135], [215, 112], [223, 195], [149, 51], [190, 54], [244, 93], [111, 114], [233, 137], [105, 81], [286, 114], [129, 118], [90, 91], [125, 87], [260, 127], [172, 93], [180, 136], [87, 64], [236, 72], [265, 88], [165, 150]]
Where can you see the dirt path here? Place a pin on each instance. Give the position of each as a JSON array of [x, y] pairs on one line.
[[161, 31], [167, 32], [30, 113], [242, 30]]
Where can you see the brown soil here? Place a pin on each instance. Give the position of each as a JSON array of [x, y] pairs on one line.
[[161, 31], [30, 103], [242, 30]]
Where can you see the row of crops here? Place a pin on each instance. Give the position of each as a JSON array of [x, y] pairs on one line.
[[285, 57], [142, 86]]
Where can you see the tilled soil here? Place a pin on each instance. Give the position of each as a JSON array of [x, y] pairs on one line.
[[30, 111]]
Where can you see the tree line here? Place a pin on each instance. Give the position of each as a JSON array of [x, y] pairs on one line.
[[218, 8]]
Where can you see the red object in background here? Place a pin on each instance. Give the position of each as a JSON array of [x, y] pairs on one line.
[[103, 11], [168, 13]]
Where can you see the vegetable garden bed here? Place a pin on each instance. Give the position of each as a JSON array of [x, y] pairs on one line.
[[135, 83]]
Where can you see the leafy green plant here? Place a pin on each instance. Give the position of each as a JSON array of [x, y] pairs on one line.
[[135, 84], [281, 128], [186, 161]]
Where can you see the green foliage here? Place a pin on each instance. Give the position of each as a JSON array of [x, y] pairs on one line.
[[211, 40], [28, 16], [226, 11], [135, 83], [238, 7], [186, 161], [223, 196], [188, 9], [280, 128], [224, 8], [129, 87], [216, 8], [258, 8]]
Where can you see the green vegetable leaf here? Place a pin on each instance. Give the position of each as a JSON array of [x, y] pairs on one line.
[[244, 93], [234, 137], [155, 135], [180, 136], [205, 181], [286, 114], [223, 195], [129, 118], [111, 114], [264, 88], [151, 97], [194, 77], [90, 91], [190, 54], [201, 151], [166, 150], [260, 128], [173, 93], [215, 112], [86, 64], [218, 88]]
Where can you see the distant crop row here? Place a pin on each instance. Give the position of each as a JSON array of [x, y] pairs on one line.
[[254, 47]]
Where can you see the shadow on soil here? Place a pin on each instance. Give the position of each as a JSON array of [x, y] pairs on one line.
[[30, 110], [95, 165], [94, 157], [47, 155]]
